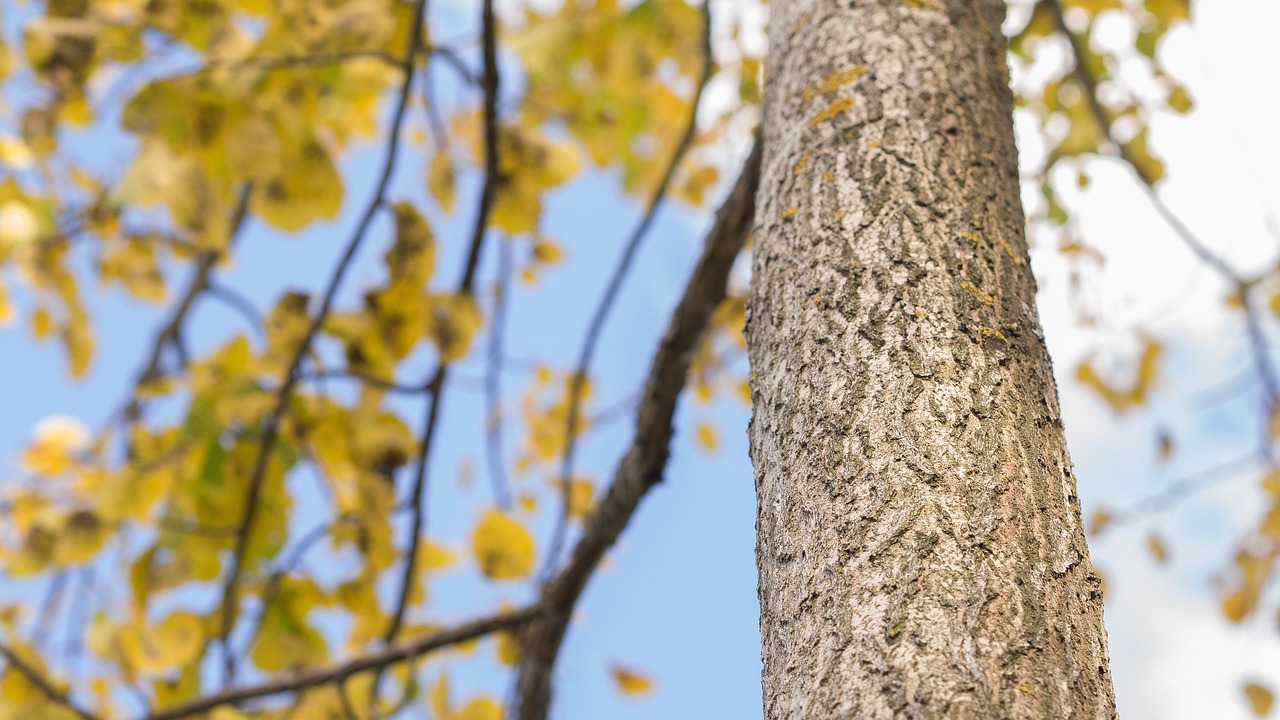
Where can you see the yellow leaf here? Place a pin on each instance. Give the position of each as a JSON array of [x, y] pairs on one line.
[[436, 557], [175, 641], [508, 648], [1259, 697], [440, 180], [580, 493], [1099, 521], [1180, 100], [82, 537], [15, 153], [308, 188], [1149, 168], [546, 251], [631, 682], [1122, 399], [452, 323], [19, 224], [1157, 548], [55, 443], [707, 437], [502, 546], [480, 708]]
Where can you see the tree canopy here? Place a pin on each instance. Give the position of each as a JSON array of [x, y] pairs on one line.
[[368, 431]]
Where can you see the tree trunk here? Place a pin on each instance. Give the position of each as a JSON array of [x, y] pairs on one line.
[[920, 545]]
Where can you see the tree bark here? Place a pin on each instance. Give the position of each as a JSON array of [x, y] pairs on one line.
[[920, 546]]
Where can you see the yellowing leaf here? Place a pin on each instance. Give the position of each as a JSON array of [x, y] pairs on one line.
[[308, 188], [1122, 399], [436, 557], [440, 180], [1159, 551], [707, 437], [1099, 521], [631, 682], [1260, 698], [502, 546], [175, 641], [480, 708], [1149, 168], [580, 493], [14, 153], [508, 648], [19, 224], [55, 443], [1180, 100], [453, 321]]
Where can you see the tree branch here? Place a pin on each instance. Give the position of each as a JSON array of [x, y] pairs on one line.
[[272, 426], [642, 466], [401, 652], [168, 333], [488, 193], [1240, 284], [596, 326], [36, 678]]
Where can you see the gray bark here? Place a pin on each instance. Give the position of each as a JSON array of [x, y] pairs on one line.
[[919, 538]]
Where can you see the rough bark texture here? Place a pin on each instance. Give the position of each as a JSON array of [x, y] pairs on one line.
[[920, 545]]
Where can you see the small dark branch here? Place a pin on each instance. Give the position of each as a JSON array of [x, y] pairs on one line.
[[1102, 116], [578, 380], [434, 122], [169, 332], [407, 650], [1186, 488], [272, 587], [36, 678], [347, 708], [488, 193], [237, 302], [52, 602], [643, 465], [452, 59], [1240, 284], [493, 380], [230, 598], [371, 380]]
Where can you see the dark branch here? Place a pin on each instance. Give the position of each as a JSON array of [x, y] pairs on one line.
[[642, 466], [578, 379], [400, 652], [488, 193], [271, 430], [36, 678], [169, 332]]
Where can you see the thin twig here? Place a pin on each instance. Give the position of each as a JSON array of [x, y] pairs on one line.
[[400, 652], [36, 678], [493, 381], [488, 193], [239, 303], [168, 333], [1185, 488], [1240, 284], [271, 430], [371, 380], [643, 465], [578, 380]]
